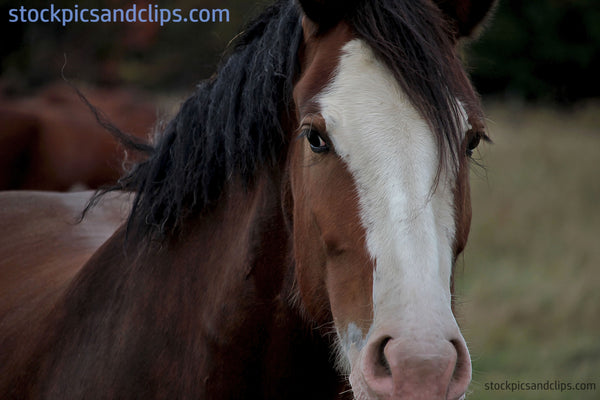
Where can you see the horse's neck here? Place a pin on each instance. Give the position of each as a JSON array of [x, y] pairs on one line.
[[206, 315]]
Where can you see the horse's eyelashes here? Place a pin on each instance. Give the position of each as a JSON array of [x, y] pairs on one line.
[[316, 141]]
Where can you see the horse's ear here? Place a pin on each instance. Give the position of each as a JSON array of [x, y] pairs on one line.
[[466, 16], [326, 13]]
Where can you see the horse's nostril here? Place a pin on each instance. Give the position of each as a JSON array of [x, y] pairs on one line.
[[382, 367], [416, 368], [461, 376], [459, 357]]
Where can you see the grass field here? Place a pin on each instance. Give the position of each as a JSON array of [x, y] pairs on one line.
[[529, 282]]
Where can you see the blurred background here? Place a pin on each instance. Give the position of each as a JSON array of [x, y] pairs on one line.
[[529, 281], [528, 285]]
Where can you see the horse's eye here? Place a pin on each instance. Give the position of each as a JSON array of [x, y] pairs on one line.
[[473, 143], [317, 143]]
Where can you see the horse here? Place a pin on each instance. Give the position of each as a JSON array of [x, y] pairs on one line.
[[49, 140], [293, 229], [27, 273]]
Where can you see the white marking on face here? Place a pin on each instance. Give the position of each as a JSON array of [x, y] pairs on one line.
[[351, 342], [392, 154]]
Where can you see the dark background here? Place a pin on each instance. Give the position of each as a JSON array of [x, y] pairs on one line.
[[145, 55]]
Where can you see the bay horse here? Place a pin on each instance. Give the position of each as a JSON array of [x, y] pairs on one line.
[[294, 228], [49, 140]]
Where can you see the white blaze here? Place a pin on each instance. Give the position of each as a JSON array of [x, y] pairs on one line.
[[392, 154]]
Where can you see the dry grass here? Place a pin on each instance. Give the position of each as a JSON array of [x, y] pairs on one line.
[[530, 284]]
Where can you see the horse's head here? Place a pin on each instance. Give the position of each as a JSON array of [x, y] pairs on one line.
[[379, 189]]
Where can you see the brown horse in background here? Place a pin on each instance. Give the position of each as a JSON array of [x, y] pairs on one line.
[[293, 231], [50, 141]]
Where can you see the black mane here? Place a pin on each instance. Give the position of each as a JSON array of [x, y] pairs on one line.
[[231, 125]]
